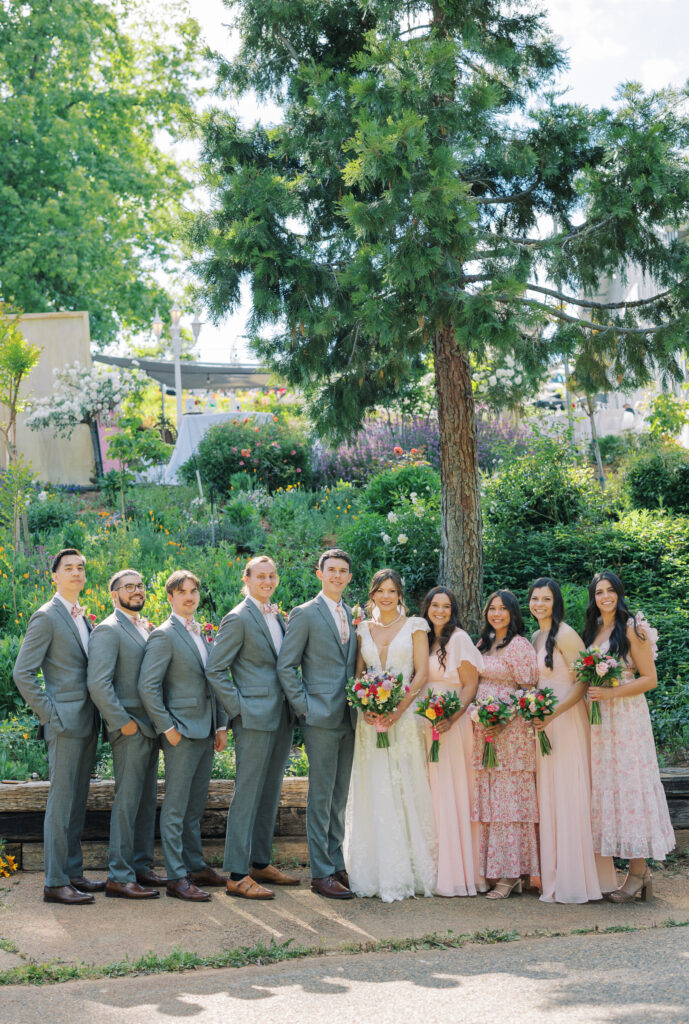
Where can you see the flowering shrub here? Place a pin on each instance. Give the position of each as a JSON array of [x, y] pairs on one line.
[[81, 395], [273, 454]]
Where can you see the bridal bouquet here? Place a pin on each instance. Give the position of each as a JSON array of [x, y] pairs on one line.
[[594, 668], [434, 707], [487, 711], [536, 705], [379, 692]]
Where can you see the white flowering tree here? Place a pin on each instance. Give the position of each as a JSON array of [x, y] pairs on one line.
[[83, 395]]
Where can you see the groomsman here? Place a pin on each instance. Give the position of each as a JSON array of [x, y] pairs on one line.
[[175, 694], [116, 650], [320, 641], [248, 644], [56, 643]]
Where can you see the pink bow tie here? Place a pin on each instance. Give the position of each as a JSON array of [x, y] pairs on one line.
[[269, 609], [77, 611], [192, 626]]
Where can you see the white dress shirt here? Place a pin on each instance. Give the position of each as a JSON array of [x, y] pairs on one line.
[[80, 622], [135, 619], [196, 637], [342, 626], [271, 622]]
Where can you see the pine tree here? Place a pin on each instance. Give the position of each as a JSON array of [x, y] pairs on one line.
[[400, 209]]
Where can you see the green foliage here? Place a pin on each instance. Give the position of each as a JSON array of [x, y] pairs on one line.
[[386, 489], [613, 448], [135, 447], [10, 699], [89, 202], [17, 359], [545, 486], [49, 510], [21, 754], [274, 454], [668, 416], [658, 477]]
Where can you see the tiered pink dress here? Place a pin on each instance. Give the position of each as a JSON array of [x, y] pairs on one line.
[[505, 802], [563, 781], [629, 811], [452, 779]]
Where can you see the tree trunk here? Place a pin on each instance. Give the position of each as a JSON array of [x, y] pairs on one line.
[[461, 547], [95, 443], [594, 441]]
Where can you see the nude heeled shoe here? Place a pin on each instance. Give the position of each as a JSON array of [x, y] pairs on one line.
[[644, 890], [503, 889]]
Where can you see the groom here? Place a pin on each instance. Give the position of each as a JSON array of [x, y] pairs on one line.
[[320, 640]]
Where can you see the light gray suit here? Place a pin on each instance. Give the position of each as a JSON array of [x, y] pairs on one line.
[[175, 693], [262, 726], [116, 650], [313, 643], [70, 726]]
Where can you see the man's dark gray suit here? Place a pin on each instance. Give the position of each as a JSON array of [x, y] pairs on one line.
[[175, 693], [262, 727], [70, 726], [116, 650], [313, 644]]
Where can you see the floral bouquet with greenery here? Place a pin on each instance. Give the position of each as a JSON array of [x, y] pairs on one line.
[[536, 705], [594, 668], [379, 692], [434, 707], [487, 711]]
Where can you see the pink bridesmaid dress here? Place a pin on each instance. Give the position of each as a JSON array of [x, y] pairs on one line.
[[629, 812], [452, 779], [563, 782], [505, 802]]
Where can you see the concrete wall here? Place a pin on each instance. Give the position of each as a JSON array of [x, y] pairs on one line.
[[64, 338]]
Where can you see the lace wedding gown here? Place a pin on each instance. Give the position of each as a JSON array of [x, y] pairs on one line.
[[390, 845]]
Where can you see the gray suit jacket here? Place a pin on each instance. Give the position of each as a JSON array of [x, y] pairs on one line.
[[313, 642], [173, 686], [52, 644], [116, 650], [244, 645]]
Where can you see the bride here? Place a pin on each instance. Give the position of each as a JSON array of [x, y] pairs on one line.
[[390, 845]]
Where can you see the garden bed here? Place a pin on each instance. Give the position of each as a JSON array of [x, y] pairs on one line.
[[22, 807]]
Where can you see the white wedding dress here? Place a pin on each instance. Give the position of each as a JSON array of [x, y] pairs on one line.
[[390, 845]]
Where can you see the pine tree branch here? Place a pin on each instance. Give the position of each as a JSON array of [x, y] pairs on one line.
[[589, 324], [503, 199], [589, 304]]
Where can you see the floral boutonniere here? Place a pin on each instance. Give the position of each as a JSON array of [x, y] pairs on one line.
[[207, 631], [146, 623], [91, 617], [357, 614]]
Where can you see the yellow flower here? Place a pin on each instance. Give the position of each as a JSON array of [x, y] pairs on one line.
[[364, 701], [615, 682], [430, 714]]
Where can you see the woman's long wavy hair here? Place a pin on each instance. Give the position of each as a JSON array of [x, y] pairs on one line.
[[449, 627], [515, 628], [618, 643], [558, 613], [377, 582]]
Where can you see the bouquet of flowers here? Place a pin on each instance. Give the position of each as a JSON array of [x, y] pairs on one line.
[[536, 704], [594, 668], [487, 711], [436, 706], [379, 692]]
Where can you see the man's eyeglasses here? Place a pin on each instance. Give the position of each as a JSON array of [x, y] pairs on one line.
[[131, 587]]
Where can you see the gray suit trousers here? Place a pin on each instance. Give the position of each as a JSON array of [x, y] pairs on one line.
[[70, 759], [187, 776], [261, 759], [330, 753], [133, 818]]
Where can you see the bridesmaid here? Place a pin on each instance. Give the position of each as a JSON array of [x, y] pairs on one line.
[[629, 810], [563, 777], [505, 802], [453, 664]]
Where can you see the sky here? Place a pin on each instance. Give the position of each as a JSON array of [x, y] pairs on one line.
[[608, 42]]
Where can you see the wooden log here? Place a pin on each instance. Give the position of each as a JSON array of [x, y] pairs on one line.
[[289, 850]]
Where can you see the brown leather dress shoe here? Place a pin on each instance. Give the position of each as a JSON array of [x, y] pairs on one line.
[[183, 889], [66, 894], [272, 875], [150, 878], [330, 887], [208, 876], [247, 889], [342, 877], [130, 890], [86, 885]]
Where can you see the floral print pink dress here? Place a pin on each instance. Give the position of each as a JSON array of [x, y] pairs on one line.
[[505, 803], [629, 813]]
